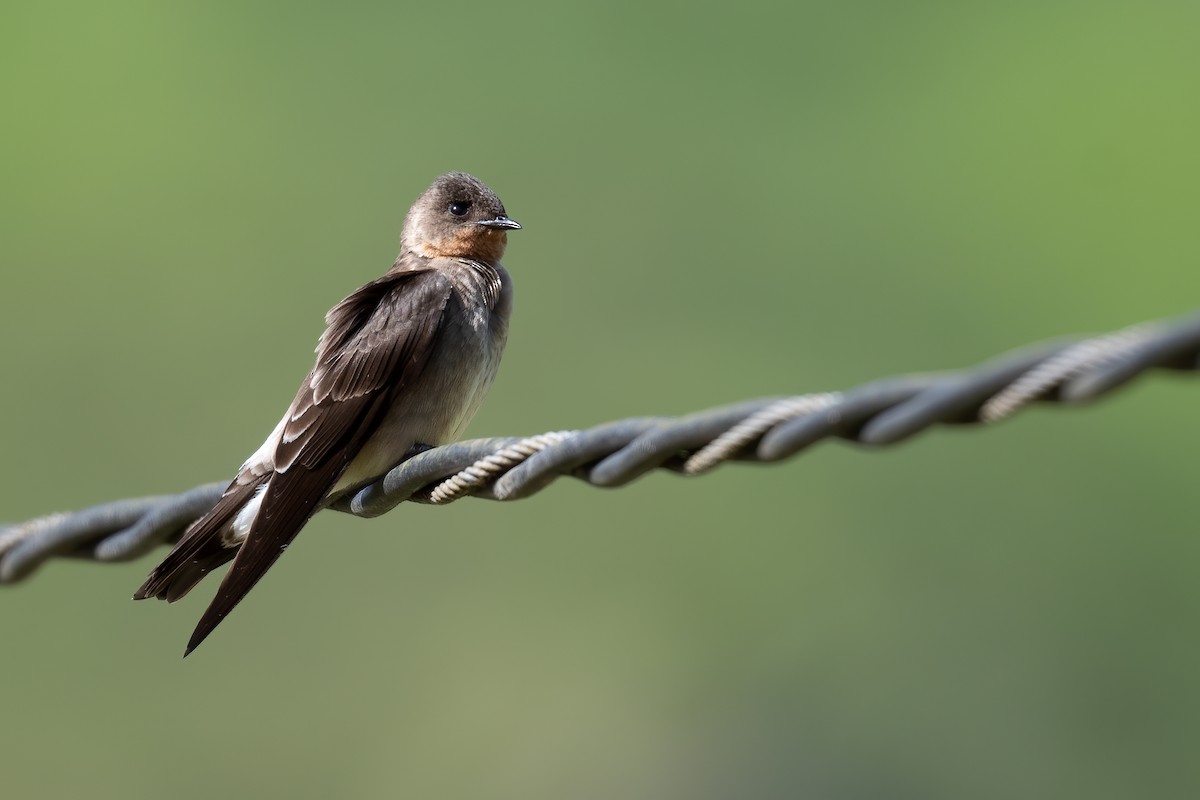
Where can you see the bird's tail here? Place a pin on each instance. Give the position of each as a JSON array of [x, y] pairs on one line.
[[202, 548]]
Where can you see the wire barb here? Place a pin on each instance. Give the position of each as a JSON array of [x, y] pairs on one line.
[[878, 413]]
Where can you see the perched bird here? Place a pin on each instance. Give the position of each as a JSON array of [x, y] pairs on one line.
[[404, 362]]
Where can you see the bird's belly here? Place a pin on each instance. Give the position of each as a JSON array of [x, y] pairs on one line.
[[434, 410]]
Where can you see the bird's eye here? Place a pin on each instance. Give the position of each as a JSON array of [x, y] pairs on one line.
[[460, 209]]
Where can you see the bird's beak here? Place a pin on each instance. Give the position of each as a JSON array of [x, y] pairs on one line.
[[501, 223]]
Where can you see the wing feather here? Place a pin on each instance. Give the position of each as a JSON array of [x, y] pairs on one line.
[[377, 342]]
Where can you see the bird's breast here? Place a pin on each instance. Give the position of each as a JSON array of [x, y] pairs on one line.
[[439, 405]]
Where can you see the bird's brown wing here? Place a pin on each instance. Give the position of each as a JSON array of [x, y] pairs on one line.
[[377, 343]]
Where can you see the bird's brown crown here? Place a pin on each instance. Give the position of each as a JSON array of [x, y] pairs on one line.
[[457, 217]]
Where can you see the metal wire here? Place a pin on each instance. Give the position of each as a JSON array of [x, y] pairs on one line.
[[882, 412], [753, 427]]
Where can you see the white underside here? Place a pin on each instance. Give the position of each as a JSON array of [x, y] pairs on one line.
[[245, 518]]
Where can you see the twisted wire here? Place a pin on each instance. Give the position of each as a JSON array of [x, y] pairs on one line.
[[464, 481], [1062, 367], [753, 427], [882, 412]]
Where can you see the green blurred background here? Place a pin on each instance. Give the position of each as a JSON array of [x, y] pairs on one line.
[[719, 204]]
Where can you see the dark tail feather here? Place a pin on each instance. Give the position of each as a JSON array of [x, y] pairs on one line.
[[176, 582], [294, 494], [248, 567], [291, 500], [200, 550]]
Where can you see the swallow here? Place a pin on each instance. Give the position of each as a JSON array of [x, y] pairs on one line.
[[404, 363]]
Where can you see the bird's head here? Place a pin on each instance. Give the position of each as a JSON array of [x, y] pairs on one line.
[[457, 217]]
